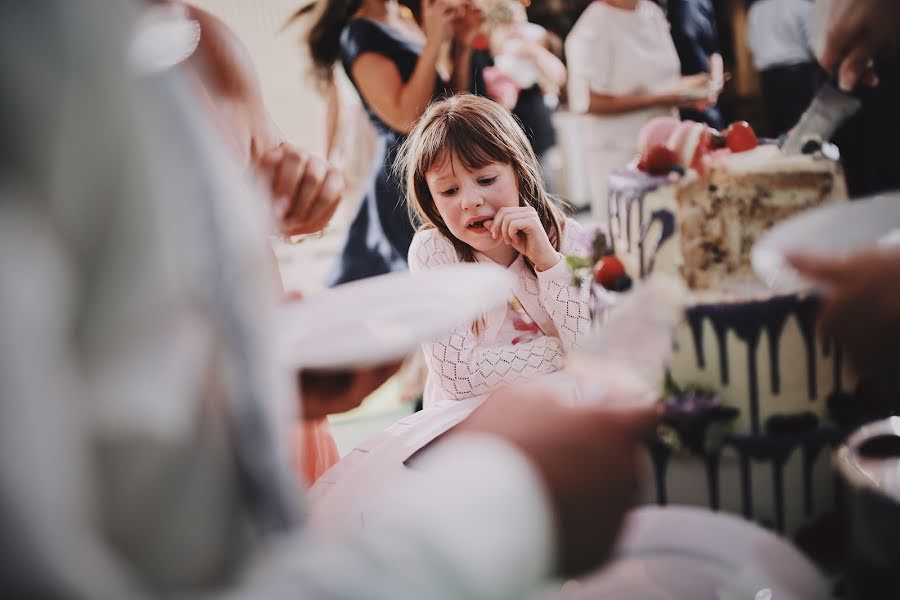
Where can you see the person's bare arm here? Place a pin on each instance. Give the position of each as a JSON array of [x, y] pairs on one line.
[[230, 78], [603, 104], [304, 189], [394, 101]]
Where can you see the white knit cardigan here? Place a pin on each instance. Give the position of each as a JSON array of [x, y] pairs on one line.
[[464, 365]]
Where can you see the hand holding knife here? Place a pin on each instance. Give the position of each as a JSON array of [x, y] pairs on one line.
[[827, 112]]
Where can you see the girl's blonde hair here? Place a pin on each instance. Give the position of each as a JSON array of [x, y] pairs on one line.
[[477, 132]]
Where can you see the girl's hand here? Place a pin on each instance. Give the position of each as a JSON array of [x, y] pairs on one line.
[[521, 228], [438, 20]]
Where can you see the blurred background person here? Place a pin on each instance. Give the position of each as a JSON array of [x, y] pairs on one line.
[[517, 69], [696, 37], [397, 68], [779, 36], [623, 71]]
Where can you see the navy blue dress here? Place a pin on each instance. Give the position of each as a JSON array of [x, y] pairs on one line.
[[696, 36], [380, 234]]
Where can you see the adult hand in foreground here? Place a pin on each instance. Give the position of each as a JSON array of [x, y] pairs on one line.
[[588, 459], [305, 188], [857, 33], [861, 309]]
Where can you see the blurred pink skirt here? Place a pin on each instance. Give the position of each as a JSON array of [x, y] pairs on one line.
[[314, 450]]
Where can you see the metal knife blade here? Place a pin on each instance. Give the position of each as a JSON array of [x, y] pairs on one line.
[[829, 109]]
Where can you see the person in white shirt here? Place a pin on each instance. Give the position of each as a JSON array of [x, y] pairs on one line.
[[778, 33], [473, 180], [623, 71], [143, 417]]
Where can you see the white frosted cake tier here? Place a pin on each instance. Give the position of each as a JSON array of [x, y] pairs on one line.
[[758, 352]]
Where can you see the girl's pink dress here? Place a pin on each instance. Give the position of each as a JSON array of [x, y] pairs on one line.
[[314, 450]]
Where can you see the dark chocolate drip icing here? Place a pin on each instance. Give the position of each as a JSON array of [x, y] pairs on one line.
[[695, 320], [778, 492], [746, 489], [611, 214], [773, 448], [628, 210], [773, 331], [640, 220], [660, 454], [809, 460], [711, 462], [839, 499], [837, 374], [627, 187], [747, 320], [722, 339], [667, 221], [811, 451], [752, 380], [806, 318], [842, 407]]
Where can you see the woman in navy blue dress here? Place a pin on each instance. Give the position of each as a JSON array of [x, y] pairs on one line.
[[397, 67]]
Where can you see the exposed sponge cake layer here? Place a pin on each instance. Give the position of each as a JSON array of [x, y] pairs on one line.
[[721, 215]]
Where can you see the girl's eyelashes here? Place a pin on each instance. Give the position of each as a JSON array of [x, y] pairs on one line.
[[449, 191], [487, 180]]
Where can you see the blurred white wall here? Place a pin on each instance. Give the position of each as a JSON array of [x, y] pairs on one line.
[[282, 62]]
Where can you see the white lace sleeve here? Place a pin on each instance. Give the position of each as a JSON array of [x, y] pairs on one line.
[[459, 363], [567, 305]]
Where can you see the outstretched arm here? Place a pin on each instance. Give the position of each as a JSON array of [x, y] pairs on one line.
[[304, 189]]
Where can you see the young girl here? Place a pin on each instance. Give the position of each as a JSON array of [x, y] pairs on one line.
[[474, 182]]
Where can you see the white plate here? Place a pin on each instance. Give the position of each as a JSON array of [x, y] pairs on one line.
[[686, 553], [384, 318], [834, 229]]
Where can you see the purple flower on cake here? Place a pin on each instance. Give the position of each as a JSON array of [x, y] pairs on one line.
[[697, 416]]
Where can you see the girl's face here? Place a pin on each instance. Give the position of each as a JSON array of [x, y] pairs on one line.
[[468, 200]]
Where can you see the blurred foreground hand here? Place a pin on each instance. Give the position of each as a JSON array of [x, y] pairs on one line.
[[857, 33], [862, 309], [588, 458], [305, 188]]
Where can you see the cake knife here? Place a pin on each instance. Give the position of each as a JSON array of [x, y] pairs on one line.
[[829, 109]]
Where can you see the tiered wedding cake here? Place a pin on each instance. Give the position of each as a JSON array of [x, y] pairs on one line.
[[744, 355]]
